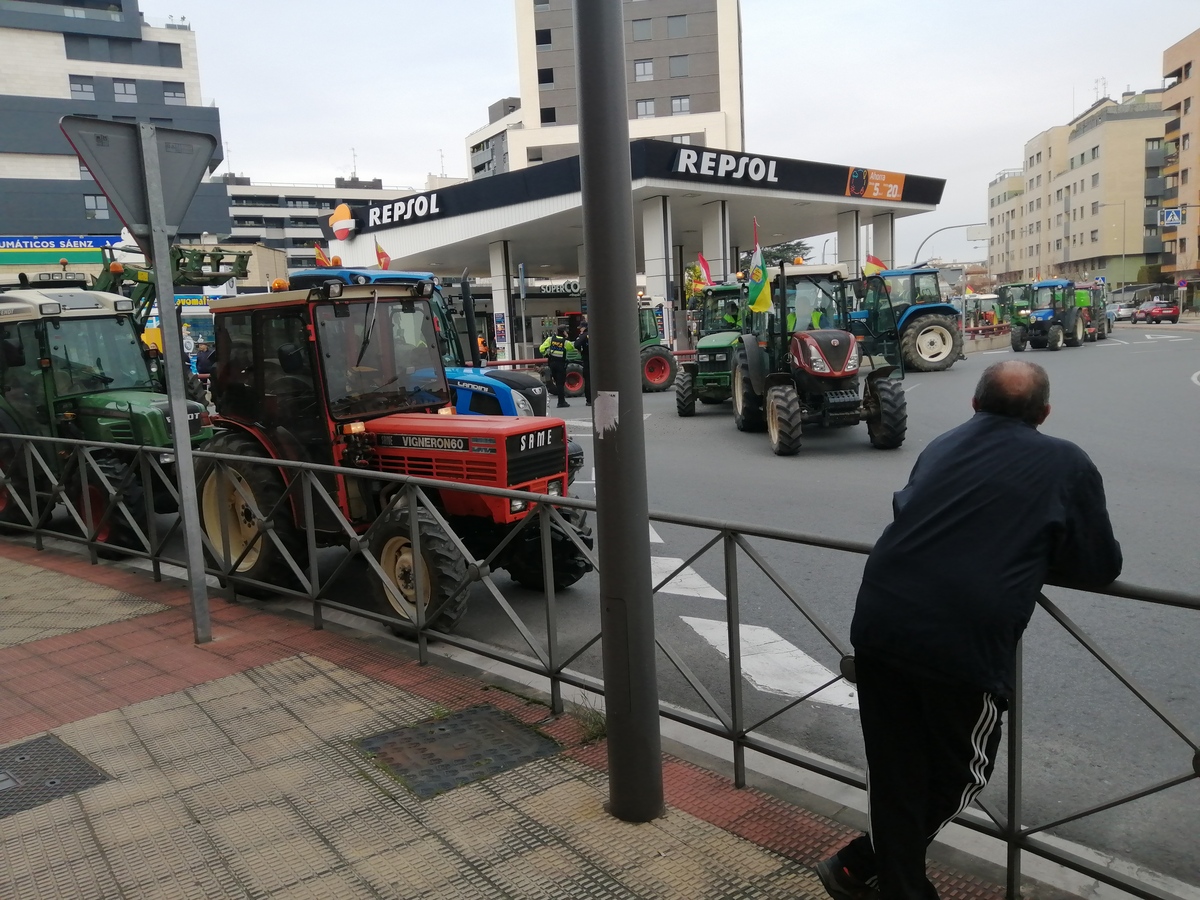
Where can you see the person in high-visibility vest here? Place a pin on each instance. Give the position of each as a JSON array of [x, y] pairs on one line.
[[555, 348], [483, 346]]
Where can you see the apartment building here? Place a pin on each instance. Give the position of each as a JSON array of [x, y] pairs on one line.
[[1085, 202], [684, 72], [1181, 164], [96, 58]]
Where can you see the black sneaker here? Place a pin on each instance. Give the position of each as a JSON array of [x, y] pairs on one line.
[[840, 884], [563, 405]]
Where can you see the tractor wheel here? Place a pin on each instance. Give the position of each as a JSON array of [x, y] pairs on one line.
[[931, 343], [444, 568], [116, 530], [1078, 333], [1108, 325], [220, 499], [783, 419], [574, 379], [195, 389], [525, 563], [1103, 329], [1017, 339], [747, 405], [887, 413], [658, 369], [685, 395], [1054, 337]]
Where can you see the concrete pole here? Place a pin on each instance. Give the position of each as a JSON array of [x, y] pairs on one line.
[[635, 786]]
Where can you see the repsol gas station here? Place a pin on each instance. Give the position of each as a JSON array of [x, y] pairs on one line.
[[687, 200]]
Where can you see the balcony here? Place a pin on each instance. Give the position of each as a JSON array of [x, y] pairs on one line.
[[71, 12], [1170, 193], [1150, 215], [1167, 259], [1154, 187], [1155, 158], [1152, 245], [1172, 127]]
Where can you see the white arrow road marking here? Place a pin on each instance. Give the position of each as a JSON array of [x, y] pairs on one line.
[[654, 536], [1164, 337], [986, 352], [776, 666], [1113, 340], [1196, 379], [645, 416], [687, 583]]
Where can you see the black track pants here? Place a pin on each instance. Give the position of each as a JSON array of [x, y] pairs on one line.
[[930, 747], [558, 371]]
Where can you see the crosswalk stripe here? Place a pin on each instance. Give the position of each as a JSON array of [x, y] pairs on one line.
[[774, 665], [687, 583], [654, 536]]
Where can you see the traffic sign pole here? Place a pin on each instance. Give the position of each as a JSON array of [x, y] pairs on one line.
[[173, 352]]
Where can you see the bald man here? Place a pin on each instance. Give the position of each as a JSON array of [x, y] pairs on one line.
[[993, 510]]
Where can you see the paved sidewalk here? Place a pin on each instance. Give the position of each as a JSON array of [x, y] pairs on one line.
[[135, 764]]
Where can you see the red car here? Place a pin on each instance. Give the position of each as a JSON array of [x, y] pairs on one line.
[[1155, 311]]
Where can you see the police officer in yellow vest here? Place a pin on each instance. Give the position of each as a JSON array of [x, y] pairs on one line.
[[555, 348]]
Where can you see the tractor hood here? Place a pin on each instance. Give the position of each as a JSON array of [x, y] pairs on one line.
[[1041, 315], [468, 434], [834, 346], [490, 380], [133, 417], [718, 340]]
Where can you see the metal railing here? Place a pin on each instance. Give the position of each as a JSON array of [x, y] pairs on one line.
[[38, 474]]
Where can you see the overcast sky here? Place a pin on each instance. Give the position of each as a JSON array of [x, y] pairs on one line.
[[945, 88]]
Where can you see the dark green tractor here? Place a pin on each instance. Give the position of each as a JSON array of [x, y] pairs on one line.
[[72, 365], [709, 376]]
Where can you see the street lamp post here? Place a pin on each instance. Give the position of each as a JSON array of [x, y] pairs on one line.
[[823, 246], [917, 255]]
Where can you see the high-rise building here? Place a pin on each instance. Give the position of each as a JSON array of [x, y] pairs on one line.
[[96, 58], [684, 74], [1084, 203], [1181, 163]]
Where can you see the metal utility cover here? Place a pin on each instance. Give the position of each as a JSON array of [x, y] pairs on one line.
[[112, 152], [42, 770], [441, 754]]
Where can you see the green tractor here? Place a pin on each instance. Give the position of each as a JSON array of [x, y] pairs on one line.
[[1014, 301], [659, 367], [709, 377], [1059, 314], [72, 365], [798, 364]]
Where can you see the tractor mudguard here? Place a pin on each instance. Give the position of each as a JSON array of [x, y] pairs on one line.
[[881, 372], [756, 359], [691, 368], [925, 309]]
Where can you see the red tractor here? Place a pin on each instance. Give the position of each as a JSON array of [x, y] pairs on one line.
[[350, 376]]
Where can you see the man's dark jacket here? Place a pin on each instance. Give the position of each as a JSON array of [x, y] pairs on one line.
[[993, 510]]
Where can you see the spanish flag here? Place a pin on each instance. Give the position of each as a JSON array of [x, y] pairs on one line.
[[322, 260], [382, 257], [873, 266]]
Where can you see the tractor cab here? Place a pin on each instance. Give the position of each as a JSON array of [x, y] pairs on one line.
[[718, 309], [717, 316], [926, 327], [1014, 300]]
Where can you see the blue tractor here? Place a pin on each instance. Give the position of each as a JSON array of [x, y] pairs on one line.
[[926, 327], [474, 390]]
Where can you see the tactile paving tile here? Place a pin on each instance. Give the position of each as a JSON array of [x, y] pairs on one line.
[[42, 770], [441, 754]]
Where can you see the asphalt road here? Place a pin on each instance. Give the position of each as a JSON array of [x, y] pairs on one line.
[[1132, 402]]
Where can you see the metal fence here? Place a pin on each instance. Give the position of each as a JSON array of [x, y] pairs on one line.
[[70, 490]]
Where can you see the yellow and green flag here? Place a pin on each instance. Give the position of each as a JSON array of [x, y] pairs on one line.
[[760, 288]]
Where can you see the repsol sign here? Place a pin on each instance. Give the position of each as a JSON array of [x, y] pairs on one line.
[[418, 207], [730, 166]]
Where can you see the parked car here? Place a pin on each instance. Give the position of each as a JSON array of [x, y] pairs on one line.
[[1123, 310], [1155, 311]]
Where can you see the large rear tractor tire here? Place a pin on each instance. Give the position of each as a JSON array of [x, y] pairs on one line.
[[574, 379], [195, 389], [1017, 339], [220, 499], [116, 531], [570, 564], [1054, 337], [444, 569], [1078, 333], [887, 413], [747, 405], [685, 395], [783, 419], [931, 343], [658, 369]]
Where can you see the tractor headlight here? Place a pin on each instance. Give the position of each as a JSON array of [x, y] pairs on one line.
[[816, 361], [516, 506], [554, 488], [852, 360], [720, 357], [49, 309], [524, 407], [123, 305], [702, 357]]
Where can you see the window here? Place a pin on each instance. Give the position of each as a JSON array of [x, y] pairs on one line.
[[1039, 181], [1095, 207], [545, 79], [541, 37], [533, 154], [643, 30], [1058, 219], [1058, 194], [549, 117], [1183, 177], [678, 67], [1186, 142], [681, 105], [124, 91], [1150, 231], [95, 206], [1151, 201], [1095, 235], [1095, 152], [645, 109], [681, 139], [174, 93], [1154, 144], [1031, 162], [676, 26], [85, 174], [1058, 244], [541, 5], [1096, 180], [82, 88], [643, 70], [1039, 156], [1183, 245], [1039, 202], [1187, 105], [1187, 71]]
